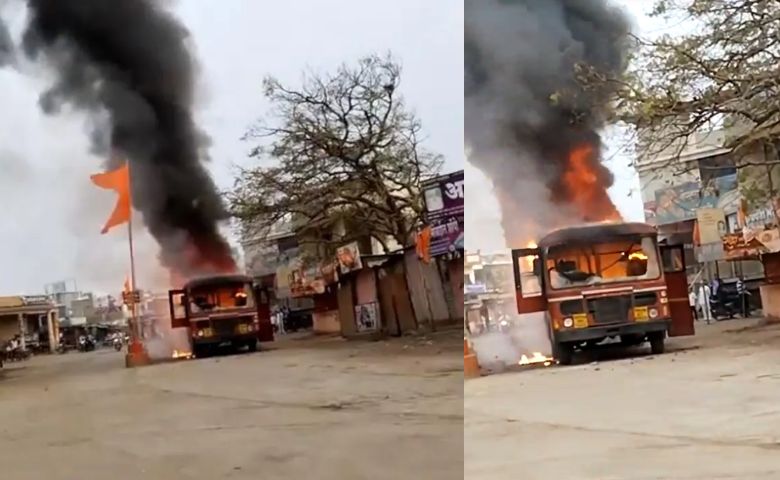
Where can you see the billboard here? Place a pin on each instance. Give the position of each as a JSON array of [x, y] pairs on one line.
[[444, 197], [311, 279], [680, 203]]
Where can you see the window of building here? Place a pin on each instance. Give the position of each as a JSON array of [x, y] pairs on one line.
[[732, 223]]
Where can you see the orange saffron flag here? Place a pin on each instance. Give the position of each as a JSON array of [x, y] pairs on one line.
[[424, 244], [119, 181]]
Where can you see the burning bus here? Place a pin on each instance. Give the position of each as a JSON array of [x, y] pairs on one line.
[[603, 281], [221, 310]]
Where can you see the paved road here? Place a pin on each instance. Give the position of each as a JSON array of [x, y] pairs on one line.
[[710, 410], [324, 409]]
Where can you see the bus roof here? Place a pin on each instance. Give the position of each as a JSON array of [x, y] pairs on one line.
[[595, 232], [216, 280]]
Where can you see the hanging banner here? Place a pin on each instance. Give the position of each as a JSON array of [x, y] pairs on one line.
[[348, 257], [735, 247], [761, 227], [444, 198], [711, 224]]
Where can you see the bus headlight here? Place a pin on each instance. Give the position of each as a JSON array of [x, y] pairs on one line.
[[568, 322], [653, 313]]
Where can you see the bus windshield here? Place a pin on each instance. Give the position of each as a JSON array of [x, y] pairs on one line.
[[623, 259], [221, 297]]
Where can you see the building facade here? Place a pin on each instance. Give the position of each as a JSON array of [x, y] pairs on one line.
[[685, 181]]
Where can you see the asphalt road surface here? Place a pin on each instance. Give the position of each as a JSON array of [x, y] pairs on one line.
[[318, 409], [709, 409]]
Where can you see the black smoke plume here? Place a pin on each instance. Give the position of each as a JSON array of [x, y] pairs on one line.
[[526, 111], [6, 44], [129, 64]]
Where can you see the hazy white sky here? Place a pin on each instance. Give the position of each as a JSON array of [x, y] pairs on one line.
[[482, 214], [53, 214]]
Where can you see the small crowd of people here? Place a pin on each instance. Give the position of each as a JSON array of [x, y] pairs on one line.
[[711, 300], [278, 317]]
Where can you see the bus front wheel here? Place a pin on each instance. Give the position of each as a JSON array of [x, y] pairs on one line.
[[563, 353], [657, 342]]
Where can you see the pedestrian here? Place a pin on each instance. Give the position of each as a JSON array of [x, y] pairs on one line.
[[692, 303], [743, 294], [704, 301], [715, 287]]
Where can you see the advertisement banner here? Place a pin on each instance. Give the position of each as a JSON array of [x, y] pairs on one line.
[[444, 197], [306, 281], [712, 225], [761, 227], [735, 247], [680, 202], [367, 317], [348, 257]]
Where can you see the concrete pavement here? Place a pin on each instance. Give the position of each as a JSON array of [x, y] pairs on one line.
[[324, 409]]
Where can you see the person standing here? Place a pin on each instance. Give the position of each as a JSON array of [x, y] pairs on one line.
[[742, 294], [715, 288], [692, 303], [704, 302]]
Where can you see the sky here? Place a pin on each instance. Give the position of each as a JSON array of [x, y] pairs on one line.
[[53, 214], [482, 213]]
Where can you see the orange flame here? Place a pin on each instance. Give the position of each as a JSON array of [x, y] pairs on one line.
[[181, 354], [585, 192], [536, 357]]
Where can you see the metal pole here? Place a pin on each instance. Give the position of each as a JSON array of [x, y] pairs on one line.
[[135, 330]]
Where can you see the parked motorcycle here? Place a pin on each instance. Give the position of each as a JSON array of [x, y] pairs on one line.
[[727, 306], [86, 344], [18, 354], [118, 344]]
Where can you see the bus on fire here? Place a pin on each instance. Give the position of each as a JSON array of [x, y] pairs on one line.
[[603, 281]]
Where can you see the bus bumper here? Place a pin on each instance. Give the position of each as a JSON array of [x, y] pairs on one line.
[[215, 341], [600, 332]]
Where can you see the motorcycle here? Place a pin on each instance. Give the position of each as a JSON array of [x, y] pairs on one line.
[[86, 344], [118, 344], [18, 354], [725, 307]]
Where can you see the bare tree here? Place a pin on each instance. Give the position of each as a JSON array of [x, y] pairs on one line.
[[343, 149], [723, 71]]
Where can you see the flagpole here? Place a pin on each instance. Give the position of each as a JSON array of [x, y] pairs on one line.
[[135, 330]]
